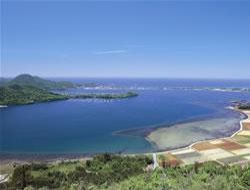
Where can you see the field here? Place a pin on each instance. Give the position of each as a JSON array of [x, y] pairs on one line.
[[246, 126], [225, 151]]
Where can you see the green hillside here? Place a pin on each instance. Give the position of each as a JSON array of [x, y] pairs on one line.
[[17, 94], [27, 89], [3, 81], [26, 79]]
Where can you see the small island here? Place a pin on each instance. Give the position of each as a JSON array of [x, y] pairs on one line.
[[105, 96]]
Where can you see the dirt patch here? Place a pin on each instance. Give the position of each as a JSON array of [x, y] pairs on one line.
[[246, 126], [203, 146], [230, 145]]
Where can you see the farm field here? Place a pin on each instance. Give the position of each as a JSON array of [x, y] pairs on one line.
[[226, 151]]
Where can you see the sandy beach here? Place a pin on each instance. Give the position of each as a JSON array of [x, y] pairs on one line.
[[184, 134]]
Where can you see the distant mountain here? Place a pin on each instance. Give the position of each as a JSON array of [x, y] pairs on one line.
[[29, 80], [22, 94]]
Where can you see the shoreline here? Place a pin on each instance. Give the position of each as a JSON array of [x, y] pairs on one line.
[[230, 150], [228, 137], [24, 158], [9, 157], [183, 135]]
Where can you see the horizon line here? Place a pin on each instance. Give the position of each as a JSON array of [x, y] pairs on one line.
[[131, 77]]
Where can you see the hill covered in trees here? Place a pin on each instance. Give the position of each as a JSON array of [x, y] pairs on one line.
[[23, 94], [29, 80]]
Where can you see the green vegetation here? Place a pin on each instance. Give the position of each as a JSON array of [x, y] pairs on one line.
[[3, 81], [106, 96], [241, 104], [207, 176], [28, 80], [102, 170], [114, 172], [244, 107], [22, 94], [16, 95], [27, 89]]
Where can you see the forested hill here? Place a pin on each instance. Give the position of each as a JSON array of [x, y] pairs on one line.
[[29, 80], [23, 94], [27, 89]]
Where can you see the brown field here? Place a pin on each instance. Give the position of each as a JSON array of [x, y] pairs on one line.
[[230, 145], [204, 146], [170, 161], [169, 157], [246, 126]]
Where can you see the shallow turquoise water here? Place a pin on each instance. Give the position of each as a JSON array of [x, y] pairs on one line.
[[87, 126]]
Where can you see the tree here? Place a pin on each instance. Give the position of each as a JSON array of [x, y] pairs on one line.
[[21, 177]]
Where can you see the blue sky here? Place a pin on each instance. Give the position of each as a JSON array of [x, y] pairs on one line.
[[126, 39]]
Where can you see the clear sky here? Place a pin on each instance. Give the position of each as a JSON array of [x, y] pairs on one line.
[[126, 39]]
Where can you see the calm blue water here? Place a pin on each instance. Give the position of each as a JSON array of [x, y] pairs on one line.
[[87, 126]]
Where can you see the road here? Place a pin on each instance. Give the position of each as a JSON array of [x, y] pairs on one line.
[[155, 161]]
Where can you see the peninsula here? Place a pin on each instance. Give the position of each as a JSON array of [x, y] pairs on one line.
[[105, 96], [27, 89], [23, 94]]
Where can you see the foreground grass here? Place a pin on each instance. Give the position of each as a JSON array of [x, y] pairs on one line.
[[62, 167], [119, 172], [208, 176], [102, 169]]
